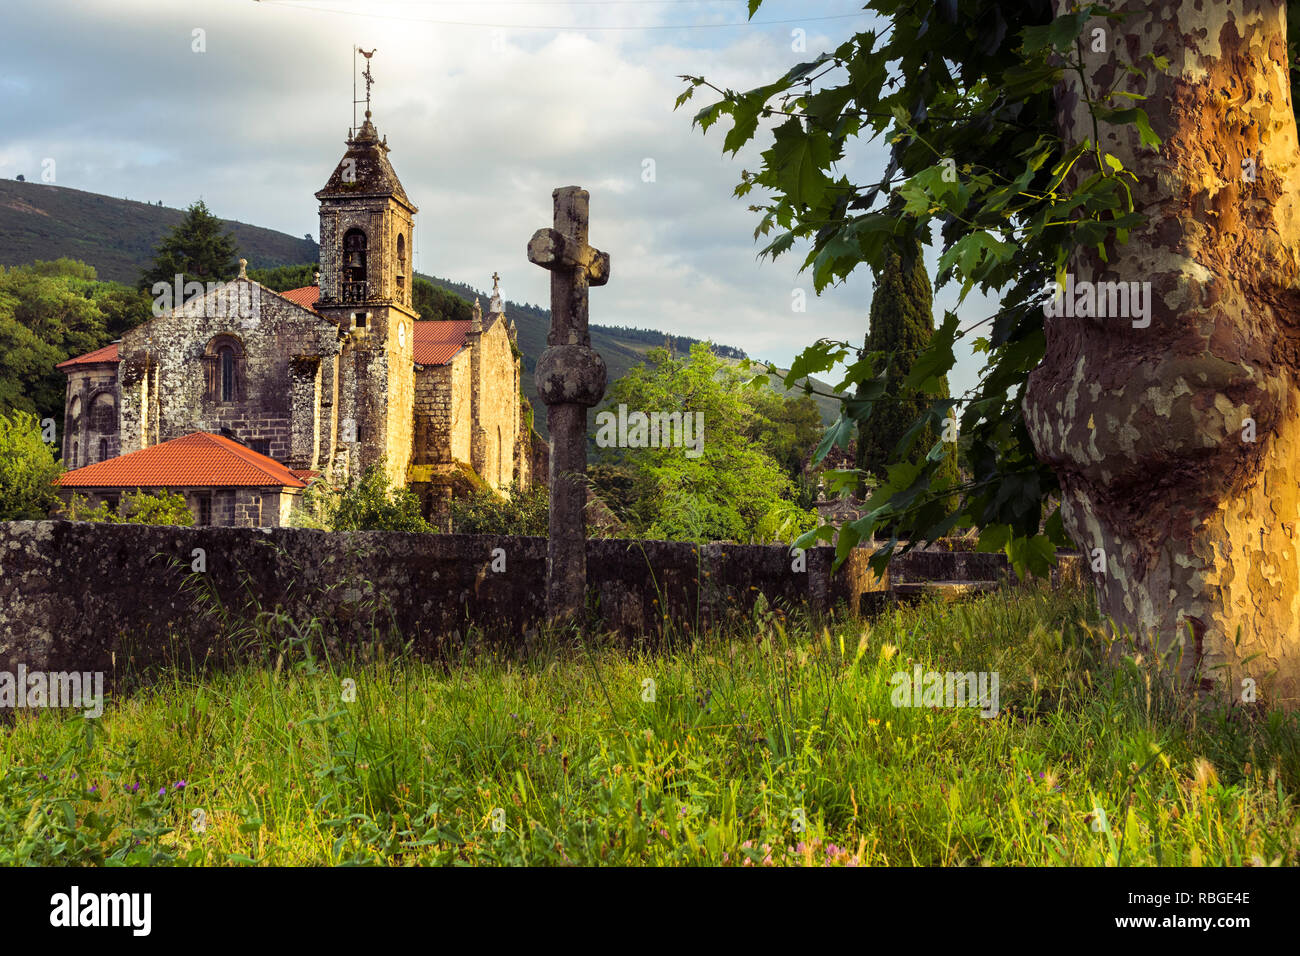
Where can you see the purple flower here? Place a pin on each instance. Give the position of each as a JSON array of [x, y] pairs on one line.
[[179, 785], [162, 791], [134, 787], [93, 788]]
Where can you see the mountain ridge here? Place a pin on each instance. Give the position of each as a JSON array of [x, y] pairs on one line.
[[118, 237]]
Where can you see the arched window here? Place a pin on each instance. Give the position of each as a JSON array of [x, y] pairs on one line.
[[226, 360], [223, 361], [103, 449], [354, 256], [72, 463], [401, 263]]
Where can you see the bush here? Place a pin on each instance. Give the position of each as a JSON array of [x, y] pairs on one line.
[[158, 508], [515, 512], [27, 469], [370, 504]]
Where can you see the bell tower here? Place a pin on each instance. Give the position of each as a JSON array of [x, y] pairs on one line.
[[366, 231]]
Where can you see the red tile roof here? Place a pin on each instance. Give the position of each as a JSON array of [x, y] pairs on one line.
[[199, 460], [437, 342], [307, 296], [107, 354]]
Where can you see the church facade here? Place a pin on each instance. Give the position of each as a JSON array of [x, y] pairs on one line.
[[322, 381]]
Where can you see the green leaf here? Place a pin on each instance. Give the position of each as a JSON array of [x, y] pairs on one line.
[[1034, 555], [840, 433], [937, 359], [797, 158]]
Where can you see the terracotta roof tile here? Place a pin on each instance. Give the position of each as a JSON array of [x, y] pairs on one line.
[[437, 342], [199, 460], [307, 296], [107, 354]]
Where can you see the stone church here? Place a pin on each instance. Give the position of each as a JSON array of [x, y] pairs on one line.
[[239, 397]]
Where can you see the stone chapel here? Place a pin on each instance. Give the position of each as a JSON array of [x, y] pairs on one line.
[[240, 397]]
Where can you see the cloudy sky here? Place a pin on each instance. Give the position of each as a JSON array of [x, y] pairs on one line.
[[487, 106]]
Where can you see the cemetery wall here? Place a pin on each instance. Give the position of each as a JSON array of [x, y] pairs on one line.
[[119, 598], [83, 596]]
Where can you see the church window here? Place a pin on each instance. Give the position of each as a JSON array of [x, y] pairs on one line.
[[223, 364], [227, 355], [103, 449], [401, 263], [73, 462], [360, 319]]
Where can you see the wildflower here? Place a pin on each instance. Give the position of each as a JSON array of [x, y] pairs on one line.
[[179, 785], [162, 791]]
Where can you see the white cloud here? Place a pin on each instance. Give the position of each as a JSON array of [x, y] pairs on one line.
[[483, 124]]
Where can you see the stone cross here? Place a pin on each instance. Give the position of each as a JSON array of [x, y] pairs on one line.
[[570, 378]]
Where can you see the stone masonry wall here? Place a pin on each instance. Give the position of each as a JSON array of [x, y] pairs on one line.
[[76, 596], [166, 391], [90, 414], [498, 405]]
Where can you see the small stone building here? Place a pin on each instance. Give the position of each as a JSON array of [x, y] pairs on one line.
[[224, 482], [329, 378]]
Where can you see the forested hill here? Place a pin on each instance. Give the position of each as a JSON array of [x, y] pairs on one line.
[[118, 237]]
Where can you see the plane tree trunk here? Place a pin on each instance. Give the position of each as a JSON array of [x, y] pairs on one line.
[[1149, 426]]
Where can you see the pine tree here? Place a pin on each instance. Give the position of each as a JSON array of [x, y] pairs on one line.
[[197, 248], [902, 322]]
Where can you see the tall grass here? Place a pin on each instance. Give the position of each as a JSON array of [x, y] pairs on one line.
[[773, 744]]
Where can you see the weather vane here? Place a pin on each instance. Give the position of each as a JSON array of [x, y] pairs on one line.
[[366, 76]]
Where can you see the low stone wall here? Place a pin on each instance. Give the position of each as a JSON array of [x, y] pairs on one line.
[[969, 566], [81, 596], [120, 598]]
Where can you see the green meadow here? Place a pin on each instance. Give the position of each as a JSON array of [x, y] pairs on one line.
[[774, 743]]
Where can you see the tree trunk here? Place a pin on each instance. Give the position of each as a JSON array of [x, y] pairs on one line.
[[1150, 427]]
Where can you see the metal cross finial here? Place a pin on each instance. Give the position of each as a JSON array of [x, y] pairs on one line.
[[368, 78]]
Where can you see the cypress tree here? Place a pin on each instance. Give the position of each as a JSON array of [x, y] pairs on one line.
[[197, 248], [902, 322]]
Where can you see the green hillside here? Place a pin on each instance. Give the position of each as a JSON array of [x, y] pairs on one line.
[[118, 237]]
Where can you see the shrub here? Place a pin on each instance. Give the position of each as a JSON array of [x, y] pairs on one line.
[[370, 504], [27, 469], [158, 508], [515, 512]]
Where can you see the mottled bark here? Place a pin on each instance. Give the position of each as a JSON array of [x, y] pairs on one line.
[[1148, 425]]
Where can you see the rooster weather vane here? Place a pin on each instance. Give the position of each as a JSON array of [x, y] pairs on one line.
[[364, 75]]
